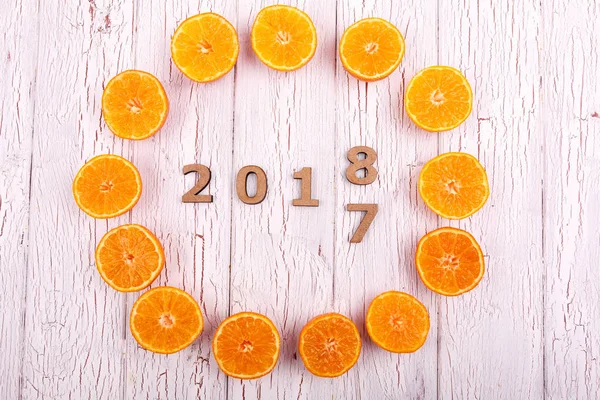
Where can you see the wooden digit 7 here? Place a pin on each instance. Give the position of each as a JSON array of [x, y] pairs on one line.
[[363, 227], [193, 196], [366, 164]]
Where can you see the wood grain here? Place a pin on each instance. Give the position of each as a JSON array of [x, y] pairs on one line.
[[372, 114], [570, 131], [195, 236], [17, 83], [483, 331]]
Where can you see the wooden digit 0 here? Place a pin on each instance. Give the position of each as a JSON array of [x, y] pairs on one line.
[[193, 196], [366, 164], [261, 184]]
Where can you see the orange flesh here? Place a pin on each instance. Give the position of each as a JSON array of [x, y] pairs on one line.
[[439, 98], [283, 37], [129, 258], [205, 47], [454, 185], [246, 346], [329, 345], [107, 186], [450, 261], [166, 320], [134, 105], [398, 322], [371, 49]]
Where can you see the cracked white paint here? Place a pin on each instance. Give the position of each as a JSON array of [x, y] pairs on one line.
[[530, 330]]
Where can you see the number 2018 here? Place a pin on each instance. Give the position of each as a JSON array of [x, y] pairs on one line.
[[304, 175]]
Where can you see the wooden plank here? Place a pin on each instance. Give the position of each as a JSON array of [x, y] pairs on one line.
[[371, 114], [571, 127], [74, 321], [195, 236], [18, 22], [490, 340], [282, 255]]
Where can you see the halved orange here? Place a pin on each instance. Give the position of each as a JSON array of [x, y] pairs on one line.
[[165, 320], [129, 258], [134, 105], [449, 261], [246, 345], [107, 186], [397, 322], [371, 49], [284, 37], [205, 47], [454, 185], [329, 345], [438, 98]]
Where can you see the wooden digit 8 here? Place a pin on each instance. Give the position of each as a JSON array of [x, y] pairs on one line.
[[366, 164]]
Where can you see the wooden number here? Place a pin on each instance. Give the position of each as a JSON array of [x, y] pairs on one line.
[[366, 164], [305, 200], [193, 195], [364, 225], [261, 184]]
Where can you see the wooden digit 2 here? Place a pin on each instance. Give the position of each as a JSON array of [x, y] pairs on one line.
[[261, 184], [193, 196]]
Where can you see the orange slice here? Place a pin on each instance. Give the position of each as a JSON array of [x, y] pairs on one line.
[[134, 105], [165, 320], [246, 345], [454, 185], [438, 99], [397, 322], [371, 49], [205, 47], [283, 37], [129, 258], [107, 186], [329, 345], [449, 261]]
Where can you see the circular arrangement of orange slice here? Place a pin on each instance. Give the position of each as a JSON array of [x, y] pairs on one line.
[[246, 345], [371, 49], [107, 186], [129, 258], [454, 185], [397, 322], [329, 345], [438, 98], [283, 37], [205, 47], [449, 261], [165, 320], [134, 105]]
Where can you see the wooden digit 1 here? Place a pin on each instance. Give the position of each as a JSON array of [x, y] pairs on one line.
[[193, 196], [366, 164], [305, 200], [261, 184], [363, 227]]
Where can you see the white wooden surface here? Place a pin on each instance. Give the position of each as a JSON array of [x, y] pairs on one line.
[[529, 331]]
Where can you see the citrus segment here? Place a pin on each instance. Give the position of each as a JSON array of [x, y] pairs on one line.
[[449, 261], [397, 322], [329, 345], [283, 37], [129, 258], [438, 98], [134, 105], [165, 320], [371, 49], [107, 186], [246, 345], [454, 185], [205, 47]]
